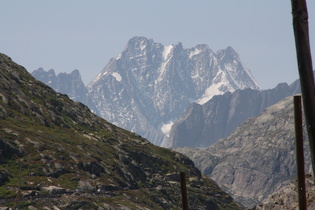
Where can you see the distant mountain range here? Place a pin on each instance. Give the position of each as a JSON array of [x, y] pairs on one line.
[[149, 86], [200, 125]]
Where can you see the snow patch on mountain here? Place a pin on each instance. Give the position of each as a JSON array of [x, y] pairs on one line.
[[166, 128], [194, 53], [119, 56], [212, 91], [167, 55], [117, 76], [167, 50]]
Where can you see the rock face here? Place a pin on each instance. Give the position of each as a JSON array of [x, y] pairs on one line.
[[203, 125], [54, 145], [256, 159], [287, 197], [149, 85]]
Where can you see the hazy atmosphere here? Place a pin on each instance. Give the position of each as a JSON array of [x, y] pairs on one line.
[[84, 35], [173, 98]]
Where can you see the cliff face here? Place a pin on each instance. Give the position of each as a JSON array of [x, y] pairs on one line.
[[257, 158], [203, 125], [61, 155]]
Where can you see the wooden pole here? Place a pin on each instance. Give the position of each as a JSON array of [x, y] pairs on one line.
[[184, 190], [299, 148], [19, 192], [304, 60]]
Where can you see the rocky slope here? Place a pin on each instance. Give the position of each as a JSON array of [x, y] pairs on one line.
[[256, 159], [149, 85], [203, 125], [57, 154], [286, 198]]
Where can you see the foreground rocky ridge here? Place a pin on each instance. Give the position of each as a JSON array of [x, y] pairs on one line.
[[61, 155], [255, 160]]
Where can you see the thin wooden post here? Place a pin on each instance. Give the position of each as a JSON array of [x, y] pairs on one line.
[[304, 60], [19, 192], [299, 148], [184, 190]]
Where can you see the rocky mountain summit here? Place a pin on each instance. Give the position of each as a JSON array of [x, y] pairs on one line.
[[70, 84], [57, 154], [203, 125], [257, 158], [149, 85]]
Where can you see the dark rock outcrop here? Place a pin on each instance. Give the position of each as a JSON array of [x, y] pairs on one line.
[[91, 167], [4, 177]]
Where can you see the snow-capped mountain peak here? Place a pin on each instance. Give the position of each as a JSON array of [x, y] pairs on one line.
[[149, 85], [166, 52]]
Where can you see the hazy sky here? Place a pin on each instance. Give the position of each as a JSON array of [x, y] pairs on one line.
[[84, 35]]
